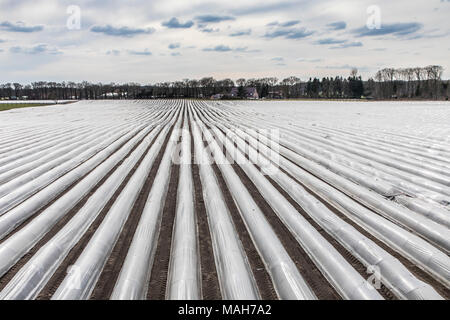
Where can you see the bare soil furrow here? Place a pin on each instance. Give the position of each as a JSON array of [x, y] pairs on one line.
[[210, 282]]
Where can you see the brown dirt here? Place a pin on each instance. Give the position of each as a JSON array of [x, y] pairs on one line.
[[210, 282], [160, 269]]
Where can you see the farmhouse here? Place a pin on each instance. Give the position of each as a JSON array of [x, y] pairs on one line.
[[217, 96], [275, 95], [250, 93]]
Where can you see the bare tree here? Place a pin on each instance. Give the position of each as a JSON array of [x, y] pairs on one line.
[[241, 82]]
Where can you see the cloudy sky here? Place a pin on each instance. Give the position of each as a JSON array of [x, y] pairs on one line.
[[148, 41]]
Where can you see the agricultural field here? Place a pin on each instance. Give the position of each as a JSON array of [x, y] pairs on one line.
[[190, 199], [8, 105]]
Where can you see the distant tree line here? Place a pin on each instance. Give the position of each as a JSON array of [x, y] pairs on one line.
[[408, 83], [417, 82]]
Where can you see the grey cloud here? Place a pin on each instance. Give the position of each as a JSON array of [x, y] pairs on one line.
[[348, 45], [38, 49], [224, 48], [339, 25], [277, 59], [284, 24], [113, 53], [340, 44], [329, 41], [397, 29], [210, 30], [213, 18], [263, 8], [220, 48], [246, 50], [290, 23], [308, 60], [276, 34], [299, 34], [241, 33], [342, 67], [121, 31], [19, 27], [174, 23], [288, 33], [145, 52], [173, 46]]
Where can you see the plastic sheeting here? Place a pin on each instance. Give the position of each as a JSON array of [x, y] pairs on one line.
[[90, 263], [21, 242], [235, 277], [429, 210], [27, 283], [356, 159], [349, 283], [184, 275], [408, 244], [134, 276], [21, 188], [393, 273], [427, 228], [286, 278], [429, 257]]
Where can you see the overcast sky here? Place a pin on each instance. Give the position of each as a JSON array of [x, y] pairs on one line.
[[148, 41]]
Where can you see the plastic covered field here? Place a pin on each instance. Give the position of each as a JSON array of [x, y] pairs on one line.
[[189, 199]]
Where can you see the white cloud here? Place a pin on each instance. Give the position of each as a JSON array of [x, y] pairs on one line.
[[171, 29]]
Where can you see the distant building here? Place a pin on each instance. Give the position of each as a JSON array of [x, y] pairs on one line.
[[217, 96], [110, 95], [275, 95], [250, 93]]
